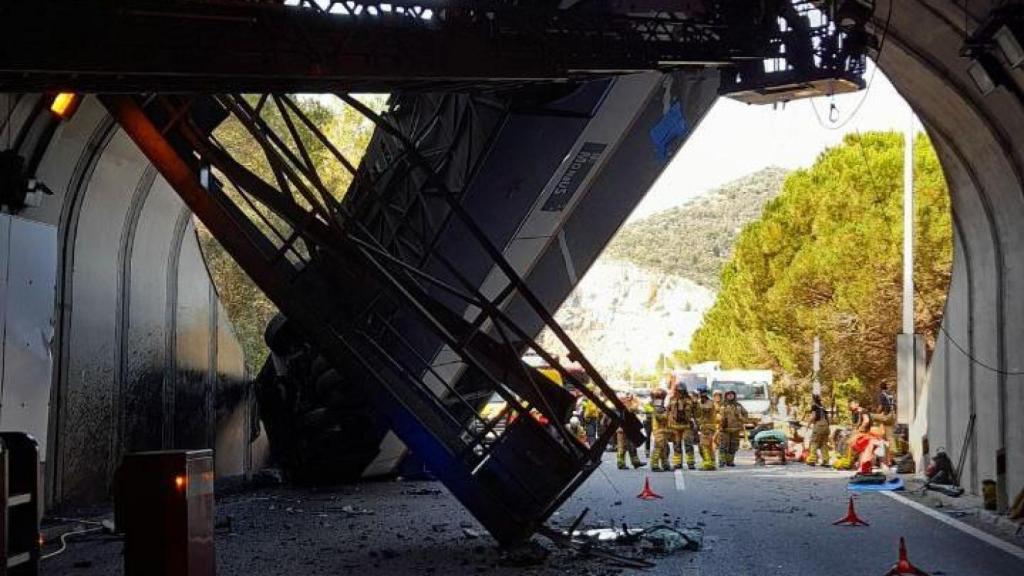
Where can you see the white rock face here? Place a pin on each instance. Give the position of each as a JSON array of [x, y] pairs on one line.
[[624, 317]]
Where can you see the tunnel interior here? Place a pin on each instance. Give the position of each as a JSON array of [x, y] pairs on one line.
[[124, 263]]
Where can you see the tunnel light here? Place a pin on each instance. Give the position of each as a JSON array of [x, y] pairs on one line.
[[1009, 45], [982, 75], [179, 482], [64, 105]]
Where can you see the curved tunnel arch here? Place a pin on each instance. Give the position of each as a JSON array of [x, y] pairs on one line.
[[143, 357], [979, 141]]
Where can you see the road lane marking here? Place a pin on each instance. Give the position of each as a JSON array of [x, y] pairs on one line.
[[801, 474], [961, 526], [680, 481]]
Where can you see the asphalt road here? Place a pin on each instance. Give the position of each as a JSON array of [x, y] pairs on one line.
[[778, 520], [774, 520]]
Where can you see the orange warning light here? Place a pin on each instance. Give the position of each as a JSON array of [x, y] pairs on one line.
[[180, 482], [64, 105]]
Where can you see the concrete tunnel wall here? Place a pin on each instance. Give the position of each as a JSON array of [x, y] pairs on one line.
[[977, 365], [166, 342], [143, 356]]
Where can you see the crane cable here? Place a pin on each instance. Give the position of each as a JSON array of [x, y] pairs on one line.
[[867, 90]]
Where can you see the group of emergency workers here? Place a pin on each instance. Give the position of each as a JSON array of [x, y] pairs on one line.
[[680, 421]]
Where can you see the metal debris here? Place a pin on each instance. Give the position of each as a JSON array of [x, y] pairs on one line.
[[667, 540], [622, 535]]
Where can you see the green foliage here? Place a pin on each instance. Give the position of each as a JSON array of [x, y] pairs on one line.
[[695, 240], [849, 389], [825, 259], [247, 307]]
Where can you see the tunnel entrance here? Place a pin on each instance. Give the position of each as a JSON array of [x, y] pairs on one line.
[[969, 103]]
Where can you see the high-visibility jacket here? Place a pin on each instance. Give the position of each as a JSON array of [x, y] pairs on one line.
[[707, 416], [659, 419], [734, 416], [682, 411]]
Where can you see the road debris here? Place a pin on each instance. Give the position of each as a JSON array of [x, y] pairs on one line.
[[350, 510], [622, 535], [529, 553], [668, 540], [267, 477]]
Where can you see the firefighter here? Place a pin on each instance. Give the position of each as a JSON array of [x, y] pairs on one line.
[[886, 418], [661, 432], [623, 445], [591, 419], [707, 419], [647, 413], [576, 428], [732, 419], [864, 443], [819, 423], [716, 446], [682, 421]]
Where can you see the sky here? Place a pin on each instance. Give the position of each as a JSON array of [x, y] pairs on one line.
[[735, 139]]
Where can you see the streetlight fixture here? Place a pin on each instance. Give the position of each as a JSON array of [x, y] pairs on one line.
[[999, 34], [984, 72], [1006, 39]]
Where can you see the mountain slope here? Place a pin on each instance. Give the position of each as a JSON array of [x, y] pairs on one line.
[[624, 317], [695, 240], [647, 293]]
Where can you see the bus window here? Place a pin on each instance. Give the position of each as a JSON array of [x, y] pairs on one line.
[[743, 390]]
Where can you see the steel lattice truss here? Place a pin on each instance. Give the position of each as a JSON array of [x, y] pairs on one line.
[[351, 290], [363, 46]]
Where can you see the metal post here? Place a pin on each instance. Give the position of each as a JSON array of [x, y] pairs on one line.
[[908, 228], [816, 385], [909, 346]]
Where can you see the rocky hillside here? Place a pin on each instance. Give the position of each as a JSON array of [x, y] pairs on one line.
[[647, 293], [623, 316], [695, 240]]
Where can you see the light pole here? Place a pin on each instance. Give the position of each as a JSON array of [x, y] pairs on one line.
[[910, 353], [816, 379]]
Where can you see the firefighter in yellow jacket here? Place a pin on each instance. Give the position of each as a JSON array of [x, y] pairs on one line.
[[733, 420], [682, 421], [716, 443], [707, 421], [623, 445], [819, 432], [661, 432]]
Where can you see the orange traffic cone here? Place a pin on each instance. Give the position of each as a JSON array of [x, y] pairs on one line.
[[851, 518], [647, 493], [903, 565]]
